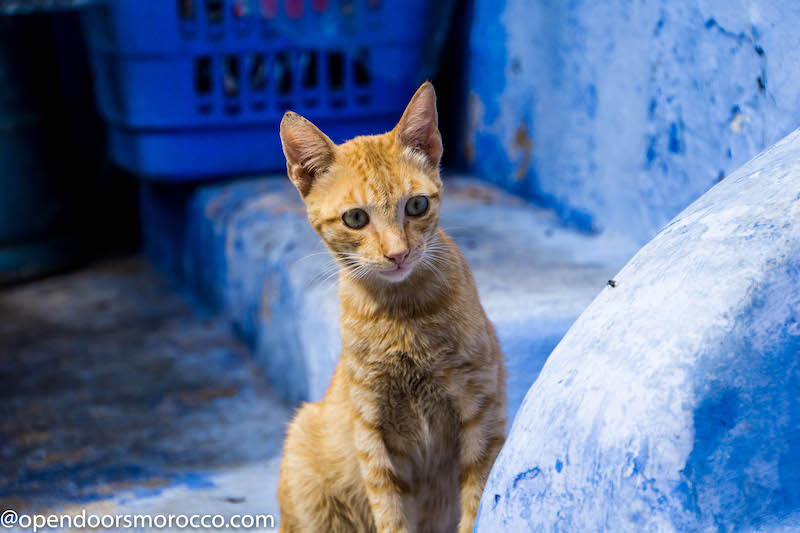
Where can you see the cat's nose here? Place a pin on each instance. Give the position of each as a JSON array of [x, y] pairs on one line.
[[397, 257]]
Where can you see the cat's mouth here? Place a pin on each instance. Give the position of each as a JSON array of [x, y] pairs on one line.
[[397, 273]]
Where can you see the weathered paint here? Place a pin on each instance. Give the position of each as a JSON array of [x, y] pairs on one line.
[[619, 114], [673, 403]]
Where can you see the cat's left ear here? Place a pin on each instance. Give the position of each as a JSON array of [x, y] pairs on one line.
[[308, 151], [418, 129]]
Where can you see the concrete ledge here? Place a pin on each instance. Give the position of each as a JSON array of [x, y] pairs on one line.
[[673, 403], [249, 251]]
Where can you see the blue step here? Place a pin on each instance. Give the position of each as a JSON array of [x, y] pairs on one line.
[[248, 250]]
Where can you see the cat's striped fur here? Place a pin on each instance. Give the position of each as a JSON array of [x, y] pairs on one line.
[[415, 414]]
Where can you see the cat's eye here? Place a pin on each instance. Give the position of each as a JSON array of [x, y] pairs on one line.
[[417, 206], [355, 218]]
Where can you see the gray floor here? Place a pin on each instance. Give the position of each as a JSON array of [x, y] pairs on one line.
[[115, 395]]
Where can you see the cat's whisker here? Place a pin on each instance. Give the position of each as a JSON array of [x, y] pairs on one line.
[[441, 250], [358, 274], [448, 228], [344, 273], [434, 258], [334, 255], [353, 270], [333, 266], [360, 271], [437, 272], [443, 258], [332, 275], [326, 269], [439, 245], [440, 265], [312, 255], [329, 270]]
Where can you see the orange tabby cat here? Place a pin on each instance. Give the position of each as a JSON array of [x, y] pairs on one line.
[[415, 414]]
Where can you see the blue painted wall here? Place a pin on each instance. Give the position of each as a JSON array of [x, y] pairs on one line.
[[619, 114]]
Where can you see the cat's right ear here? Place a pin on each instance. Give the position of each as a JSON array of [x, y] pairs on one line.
[[308, 151], [418, 129]]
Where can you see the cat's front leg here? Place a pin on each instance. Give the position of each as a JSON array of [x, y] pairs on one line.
[[482, 437], [385, 489]]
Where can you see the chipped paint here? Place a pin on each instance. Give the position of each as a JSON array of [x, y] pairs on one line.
[[475, 111], [524, 146], [634, 110]]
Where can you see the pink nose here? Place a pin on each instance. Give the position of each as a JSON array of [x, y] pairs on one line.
[[398, 257]]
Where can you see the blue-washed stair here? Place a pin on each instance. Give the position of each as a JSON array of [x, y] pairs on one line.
[[247, 249]]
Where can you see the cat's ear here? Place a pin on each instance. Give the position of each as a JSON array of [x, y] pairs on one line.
[[418, 129], [308, 151]]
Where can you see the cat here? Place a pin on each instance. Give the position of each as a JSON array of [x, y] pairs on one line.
[[415, 414]]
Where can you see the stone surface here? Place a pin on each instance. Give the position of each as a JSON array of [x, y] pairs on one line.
[[673, 403], [116, 397], [251, 251], [619, 114]]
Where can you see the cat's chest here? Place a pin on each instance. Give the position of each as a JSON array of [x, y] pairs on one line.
[[416, 411]]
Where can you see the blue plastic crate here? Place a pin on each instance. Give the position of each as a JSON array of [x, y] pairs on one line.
[[197, 88]]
